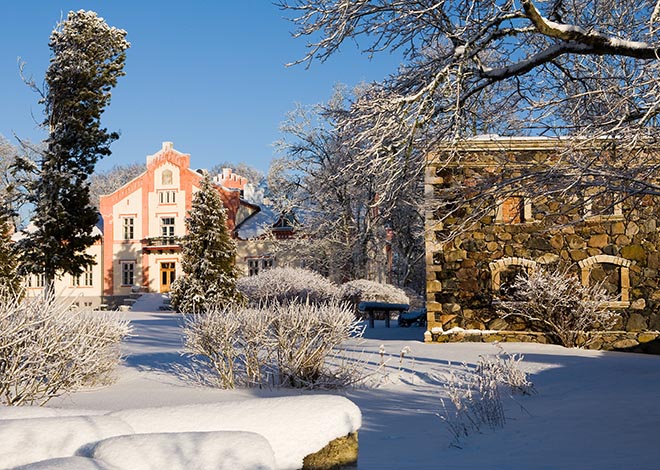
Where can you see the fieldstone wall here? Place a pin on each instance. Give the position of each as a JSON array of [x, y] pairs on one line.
[[643, 342], [616, 242]]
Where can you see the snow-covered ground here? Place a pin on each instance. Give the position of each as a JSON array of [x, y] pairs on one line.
[[597, 410]]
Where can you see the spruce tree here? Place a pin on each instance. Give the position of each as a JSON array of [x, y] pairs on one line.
[[87, 59], [208, 256], [10, 281]]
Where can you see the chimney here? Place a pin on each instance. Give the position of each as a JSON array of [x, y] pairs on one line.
[[226, 173], [168, 145]]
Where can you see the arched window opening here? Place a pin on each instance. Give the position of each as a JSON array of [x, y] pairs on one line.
[[613, 273], [504, 273]]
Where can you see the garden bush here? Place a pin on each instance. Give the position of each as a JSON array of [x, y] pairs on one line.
[[476, 394], [47, 349], [281, 345], [285, 285], [555, 301], [363, 290]]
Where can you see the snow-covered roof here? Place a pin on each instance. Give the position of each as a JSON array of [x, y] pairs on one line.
[[97, 231], [258, 224]]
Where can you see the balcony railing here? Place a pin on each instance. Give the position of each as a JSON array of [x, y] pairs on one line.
[[162, 241]]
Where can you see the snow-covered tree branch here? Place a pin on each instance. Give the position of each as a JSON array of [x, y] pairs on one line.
[[585, 71]]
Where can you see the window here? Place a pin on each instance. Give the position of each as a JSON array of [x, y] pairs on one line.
[[600, 203], [514, 210], [40, 280], [88, 278], [256, 265], [508, 278], [167, 197], [253, 267], [167, 226], [129, 228], [504, 273], [613, 273], [128, 273], [166, 177]]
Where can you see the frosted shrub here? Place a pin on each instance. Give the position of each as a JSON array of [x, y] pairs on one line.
[[557, 302], [278, 345], [476, 394], [46, 349], [215, 335], [363, 290], [285, 285], [305, 335], [505, 369]]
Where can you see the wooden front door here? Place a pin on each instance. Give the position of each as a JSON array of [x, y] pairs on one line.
[[167, 275]]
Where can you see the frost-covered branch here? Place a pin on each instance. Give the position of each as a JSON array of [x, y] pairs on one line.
[[582, 70]]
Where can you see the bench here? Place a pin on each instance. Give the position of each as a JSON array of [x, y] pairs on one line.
[[415, 317], [370, 308]]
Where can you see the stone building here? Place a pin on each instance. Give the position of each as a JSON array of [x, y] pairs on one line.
[[603, 237]]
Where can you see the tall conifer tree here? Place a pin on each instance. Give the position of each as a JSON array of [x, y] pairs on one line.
[[87, 59], [10, 282], [208, 256]]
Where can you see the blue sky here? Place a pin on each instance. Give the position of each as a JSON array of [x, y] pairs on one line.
[[209, 76]]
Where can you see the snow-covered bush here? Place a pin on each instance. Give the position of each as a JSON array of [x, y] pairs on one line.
[[476, 394], [556, 301], [363, 290], [285, 285], [276, 345], [46, 349]]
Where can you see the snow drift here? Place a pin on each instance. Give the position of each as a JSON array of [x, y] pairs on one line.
[[187, 451], [254, 434]]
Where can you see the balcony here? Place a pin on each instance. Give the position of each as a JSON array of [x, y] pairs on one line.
[[161, 243]]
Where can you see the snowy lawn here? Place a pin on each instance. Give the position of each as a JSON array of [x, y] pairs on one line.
[[592, 409]]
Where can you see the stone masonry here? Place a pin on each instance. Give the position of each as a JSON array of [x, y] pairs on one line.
[[612, 240]]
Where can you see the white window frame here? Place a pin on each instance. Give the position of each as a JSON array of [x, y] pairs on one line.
[[128, 228], [127, 273], [167, 197], [257, 264], [167, 229]]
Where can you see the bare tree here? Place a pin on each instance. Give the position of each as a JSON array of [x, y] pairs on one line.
[[583, 69], [349, 218], [13, 181], [253, 175], [107, 182]]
